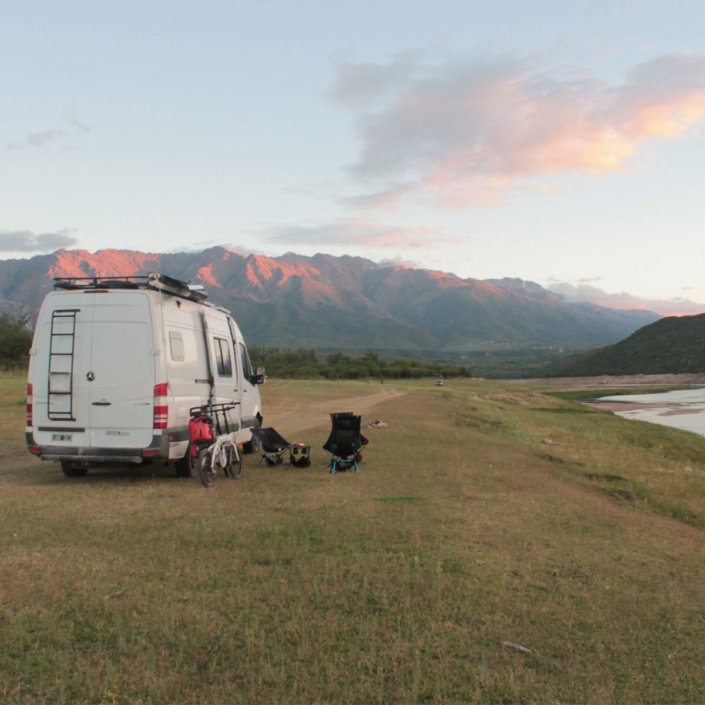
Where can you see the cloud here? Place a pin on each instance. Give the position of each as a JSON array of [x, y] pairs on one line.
[[36, 139], [624, 301], [47, 137], [26, 241], [399, 262], [462, 131], [351, 232], [78, 126]]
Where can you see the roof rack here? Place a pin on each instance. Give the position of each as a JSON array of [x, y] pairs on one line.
[[152, 280]]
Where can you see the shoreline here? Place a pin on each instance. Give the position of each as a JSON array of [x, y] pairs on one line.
[[610, 381], [634, 383], [620, 407]]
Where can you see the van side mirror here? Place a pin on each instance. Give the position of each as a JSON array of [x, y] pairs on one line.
[[259, 376]]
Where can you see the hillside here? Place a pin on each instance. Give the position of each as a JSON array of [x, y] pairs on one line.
[[671, 345], [345, 302]]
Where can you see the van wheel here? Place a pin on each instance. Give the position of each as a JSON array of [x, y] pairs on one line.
[[253, 445], [183, 465], [72, 470]]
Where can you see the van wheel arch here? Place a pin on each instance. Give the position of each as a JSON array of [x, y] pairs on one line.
[[184, 466], [71, 469]]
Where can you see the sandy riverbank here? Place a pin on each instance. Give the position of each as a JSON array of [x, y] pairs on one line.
[[611, 382]]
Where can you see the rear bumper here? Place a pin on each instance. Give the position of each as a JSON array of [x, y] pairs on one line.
[[157, 449]]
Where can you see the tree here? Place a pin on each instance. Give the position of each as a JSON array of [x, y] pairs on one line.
[[15, 341]]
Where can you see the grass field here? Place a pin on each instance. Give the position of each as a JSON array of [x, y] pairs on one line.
[[499, 546]]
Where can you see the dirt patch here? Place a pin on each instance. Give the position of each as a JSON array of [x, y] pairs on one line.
[[519, 399]]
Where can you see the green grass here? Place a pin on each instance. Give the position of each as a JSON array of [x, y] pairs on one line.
[[484, 516]]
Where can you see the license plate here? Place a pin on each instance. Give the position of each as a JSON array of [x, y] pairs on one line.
[[62, 436]]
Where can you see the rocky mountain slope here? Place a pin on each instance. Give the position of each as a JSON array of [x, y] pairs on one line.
[[327, 302]]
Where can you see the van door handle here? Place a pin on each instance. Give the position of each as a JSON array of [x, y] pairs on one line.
[[102, 403]]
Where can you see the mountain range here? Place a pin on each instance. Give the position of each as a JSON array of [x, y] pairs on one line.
[[329, 302]]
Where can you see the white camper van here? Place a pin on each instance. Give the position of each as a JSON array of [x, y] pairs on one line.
[[116, 364]]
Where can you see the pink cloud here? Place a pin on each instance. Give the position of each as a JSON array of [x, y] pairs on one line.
[[462, 132], [625, 301]]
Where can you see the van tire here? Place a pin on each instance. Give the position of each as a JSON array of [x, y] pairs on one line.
[[253, 445], [183, 465], [72, 470]]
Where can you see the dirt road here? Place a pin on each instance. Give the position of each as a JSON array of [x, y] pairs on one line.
[[300, 416]]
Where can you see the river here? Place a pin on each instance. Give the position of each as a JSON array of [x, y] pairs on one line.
[[684, 409]]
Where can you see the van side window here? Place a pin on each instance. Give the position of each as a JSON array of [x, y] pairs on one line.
[[223, 361], [176, 346], [245, 360]]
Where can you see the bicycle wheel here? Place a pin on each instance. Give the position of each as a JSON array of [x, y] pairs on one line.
[[205, 468], [233, 462], [225, 456], [236, 468]]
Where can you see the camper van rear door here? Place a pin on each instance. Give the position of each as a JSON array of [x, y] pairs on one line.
[[123, 370]]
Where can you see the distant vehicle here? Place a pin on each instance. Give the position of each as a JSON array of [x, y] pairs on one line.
[[116, 364], [439, 382]]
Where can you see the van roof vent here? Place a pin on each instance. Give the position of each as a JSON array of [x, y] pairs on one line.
[[153, 280]]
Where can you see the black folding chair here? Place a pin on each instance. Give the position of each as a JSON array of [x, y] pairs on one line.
[[345, 442], [273, 445]]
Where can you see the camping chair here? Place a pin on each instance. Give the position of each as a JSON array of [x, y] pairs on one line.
[[273, 445], [345, 442]]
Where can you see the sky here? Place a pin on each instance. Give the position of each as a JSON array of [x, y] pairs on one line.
[[561, 142]]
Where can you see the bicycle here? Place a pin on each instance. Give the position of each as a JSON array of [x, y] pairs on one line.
[[213, 447]]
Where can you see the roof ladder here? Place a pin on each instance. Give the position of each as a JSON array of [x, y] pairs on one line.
[[62, 339]]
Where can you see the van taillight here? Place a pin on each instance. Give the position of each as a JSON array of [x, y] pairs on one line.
[[29, 405], [161, 405]]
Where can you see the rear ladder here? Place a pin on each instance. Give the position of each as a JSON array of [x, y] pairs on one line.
[[62, 340]]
